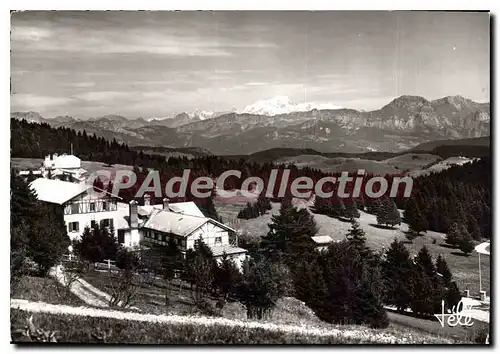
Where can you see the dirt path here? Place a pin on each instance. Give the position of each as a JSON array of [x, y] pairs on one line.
[[41, 307], [83, 290]]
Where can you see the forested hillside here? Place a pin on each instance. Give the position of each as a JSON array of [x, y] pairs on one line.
[[460, 194]]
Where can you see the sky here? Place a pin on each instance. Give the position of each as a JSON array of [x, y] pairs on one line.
[[156, 64]]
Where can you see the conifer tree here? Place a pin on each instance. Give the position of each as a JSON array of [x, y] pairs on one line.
[[263, 203], [453, 295], [350, 210], [227, 277], [443, 269], [456, 233], [259, 288], [357, 238], [290, 226], [202, 270], [369, 309], [337, 208], [466, 244], [422, 300], [396, 272], [424, 261], [415, 217]]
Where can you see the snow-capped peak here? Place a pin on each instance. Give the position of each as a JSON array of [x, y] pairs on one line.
[[282, 105], [202, 115], [152, 119]]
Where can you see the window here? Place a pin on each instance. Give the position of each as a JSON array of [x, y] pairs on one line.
[[104, 206], [93, 224], [121, 236], [75, 208], [106, 223], [92, 206], [218, 239], [164, 238], [73, 226]]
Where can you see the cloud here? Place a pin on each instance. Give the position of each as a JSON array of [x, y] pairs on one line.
[[36, 101], [29, 34], [256, 83], [102, 95], [161, 41], [85, 84]]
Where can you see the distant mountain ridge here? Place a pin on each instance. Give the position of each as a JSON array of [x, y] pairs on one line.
[[402, 124]]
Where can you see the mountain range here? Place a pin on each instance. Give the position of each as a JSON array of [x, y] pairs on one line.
[[401, 124]]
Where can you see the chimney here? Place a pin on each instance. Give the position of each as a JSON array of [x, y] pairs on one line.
[[165, 204], [147, 200], [134, 219]]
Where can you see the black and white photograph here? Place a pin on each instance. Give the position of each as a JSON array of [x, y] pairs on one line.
[[250, 177]]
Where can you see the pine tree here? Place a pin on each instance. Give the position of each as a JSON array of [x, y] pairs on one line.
[[304, 279], [228, 276], [369, 309], [415, 217], [23, 212], [263, 203], [474, 229], [396, 272], [350, 210], [422, 299], [466, 244], [357, 239], [290, 226], [453, 295], [259, 288], [424, 261], [88, 246], [456, 233], [443, 269], [202, 269], [337, 208], [372, 206], [393, 215]]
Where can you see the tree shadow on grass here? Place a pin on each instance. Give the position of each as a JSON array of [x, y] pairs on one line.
[[447, 245], [414, 315], [345, 220], [384, 227], [460, 254]]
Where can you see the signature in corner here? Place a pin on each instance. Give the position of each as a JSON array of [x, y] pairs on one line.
[[455, 317]]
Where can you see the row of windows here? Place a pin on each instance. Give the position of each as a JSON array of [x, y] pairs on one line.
[[74, 226], [81, 207], [164, 237]]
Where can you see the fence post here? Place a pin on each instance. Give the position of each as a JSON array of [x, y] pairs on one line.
[[109, 264]]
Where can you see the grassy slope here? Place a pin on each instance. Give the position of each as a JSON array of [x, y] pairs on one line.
[[465, 269], [441, 166], [44, 290], [339, 164], [151, 299], [412, 162], [393, 165], [288, 311], [77, 329]]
